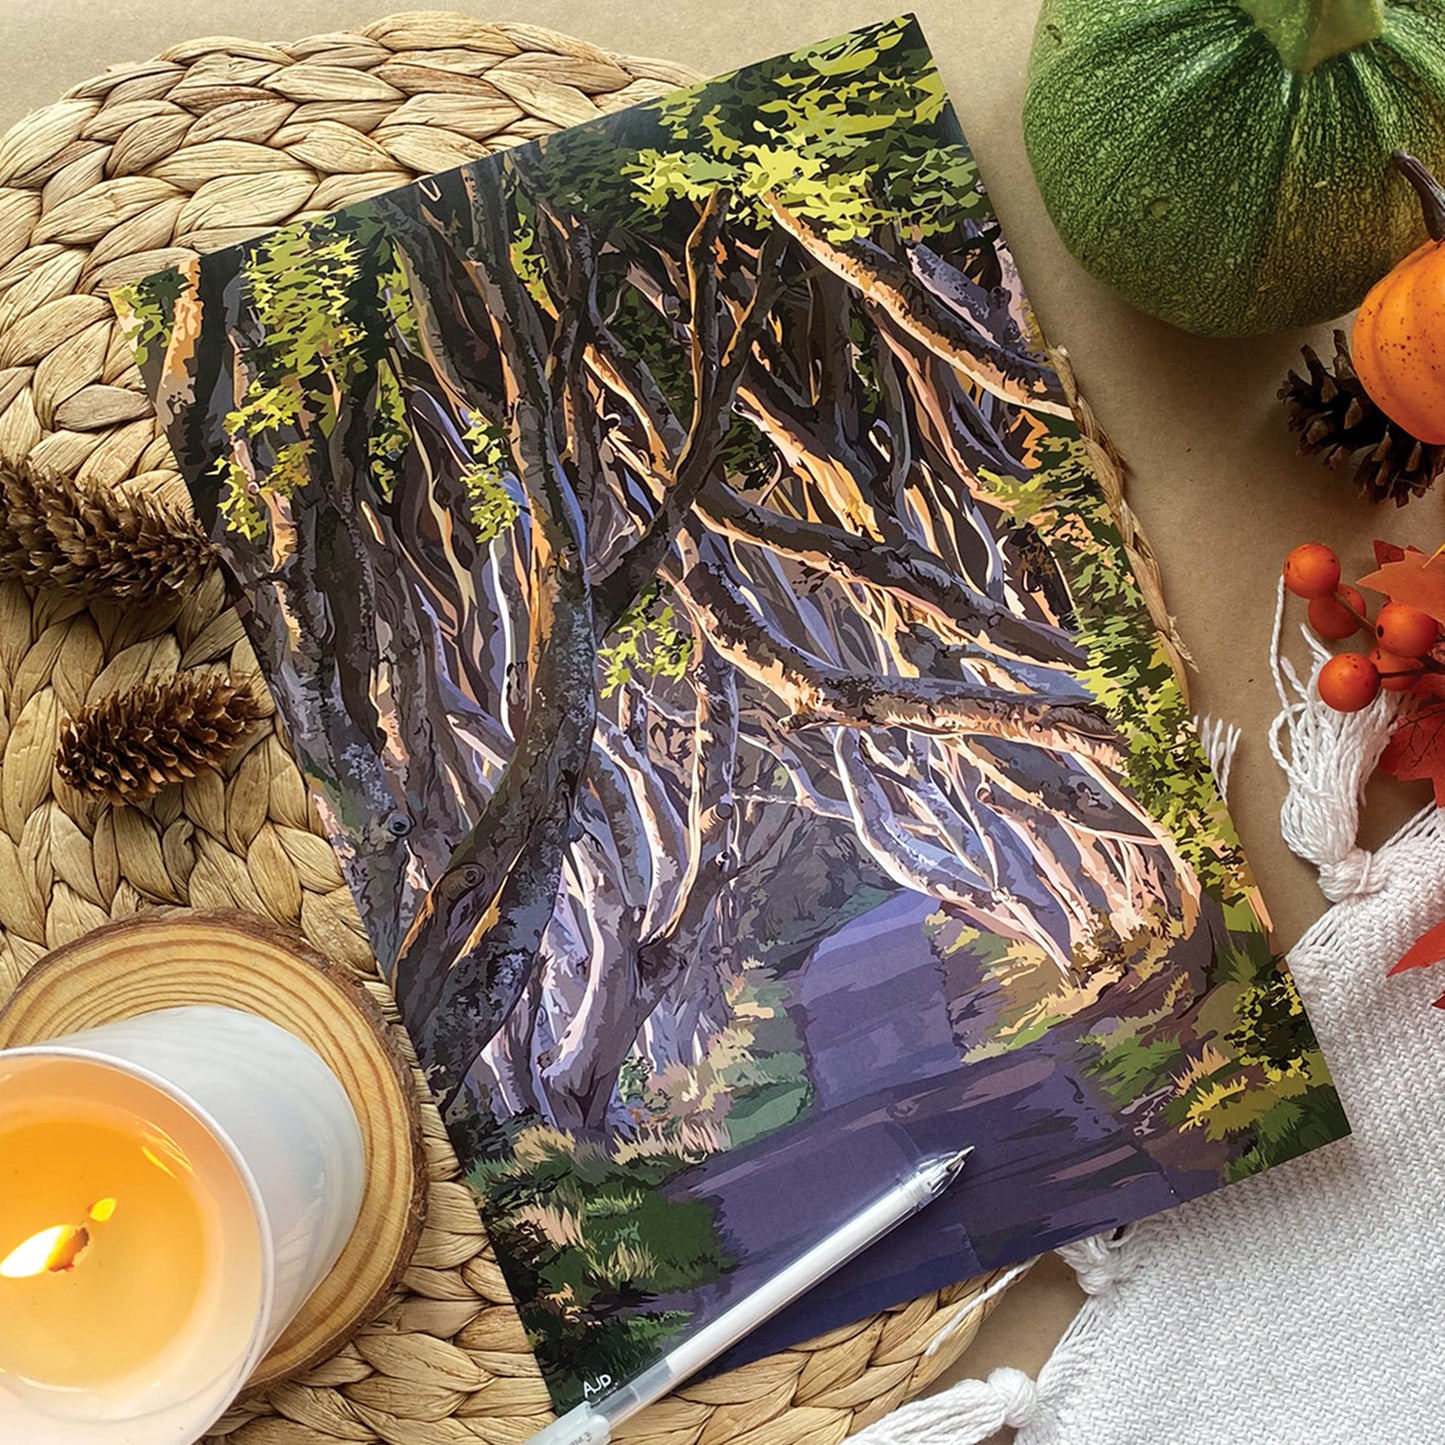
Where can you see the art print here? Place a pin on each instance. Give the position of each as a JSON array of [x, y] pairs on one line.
[[719, 669]]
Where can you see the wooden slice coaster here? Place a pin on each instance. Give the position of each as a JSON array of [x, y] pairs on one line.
[[237, 960]]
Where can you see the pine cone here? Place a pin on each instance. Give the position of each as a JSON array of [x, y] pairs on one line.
[[128, 746], [1335, 417], [55, 532]]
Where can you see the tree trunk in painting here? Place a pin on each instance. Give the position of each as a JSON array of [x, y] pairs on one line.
[[638, 511]]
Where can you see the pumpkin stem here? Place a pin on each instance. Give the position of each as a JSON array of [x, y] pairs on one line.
[[1309, 32], [1430, 191]]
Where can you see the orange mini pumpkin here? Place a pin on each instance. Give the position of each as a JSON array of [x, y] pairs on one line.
[[1399, 340]]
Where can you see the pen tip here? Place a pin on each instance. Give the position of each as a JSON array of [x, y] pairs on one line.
[[954, 1163], [942, 1170]]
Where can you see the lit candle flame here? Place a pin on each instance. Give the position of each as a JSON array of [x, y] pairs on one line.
[[53, 1249], [56, 1249]]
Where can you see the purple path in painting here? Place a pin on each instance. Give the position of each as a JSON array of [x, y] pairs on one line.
[[1050, 1163]]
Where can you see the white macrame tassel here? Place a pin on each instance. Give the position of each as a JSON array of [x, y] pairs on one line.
[[964, 1316], [965, 1415], [1220, 741], [1328, 760], [1101, 1262], [975, 1409]]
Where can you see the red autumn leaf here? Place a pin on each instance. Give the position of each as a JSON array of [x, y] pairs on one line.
[[1416, 580], [1389, 552], [1425, 952], [1417, 746]]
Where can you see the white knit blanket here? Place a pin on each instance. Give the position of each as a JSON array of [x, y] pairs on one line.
[[1305, 1306]]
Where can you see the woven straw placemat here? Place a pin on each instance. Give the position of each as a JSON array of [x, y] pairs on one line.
[[138, 169]]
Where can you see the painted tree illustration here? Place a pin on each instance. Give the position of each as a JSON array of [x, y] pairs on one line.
[[661, 504]]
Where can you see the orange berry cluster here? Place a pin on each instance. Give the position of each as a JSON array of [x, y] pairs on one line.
[[1403, 636]]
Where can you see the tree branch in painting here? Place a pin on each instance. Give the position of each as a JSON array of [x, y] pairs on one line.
[[670, 545]]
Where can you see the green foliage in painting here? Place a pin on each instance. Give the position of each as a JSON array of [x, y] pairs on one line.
[[649, 336], [150, 307], [1128, 670], [845, 135], [748, 458], [647, 640], [1130, 1067], [624, 1347], [751, 1078], [389, 438], [526, 253], [1293, 1126], [585, 1226], [1273, 1030], [1240, 1068], [491, 507], [330, 306]]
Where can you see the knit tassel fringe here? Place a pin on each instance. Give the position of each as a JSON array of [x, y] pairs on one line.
[[1327, 757], [1008, 1399]]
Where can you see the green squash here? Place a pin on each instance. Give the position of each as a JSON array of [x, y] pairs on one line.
[[1225, 164]]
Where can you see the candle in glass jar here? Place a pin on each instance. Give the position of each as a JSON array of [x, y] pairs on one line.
[[97, 1212], [172, 1188]]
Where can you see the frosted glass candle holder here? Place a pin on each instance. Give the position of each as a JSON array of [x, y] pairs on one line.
[[227, 1168]]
